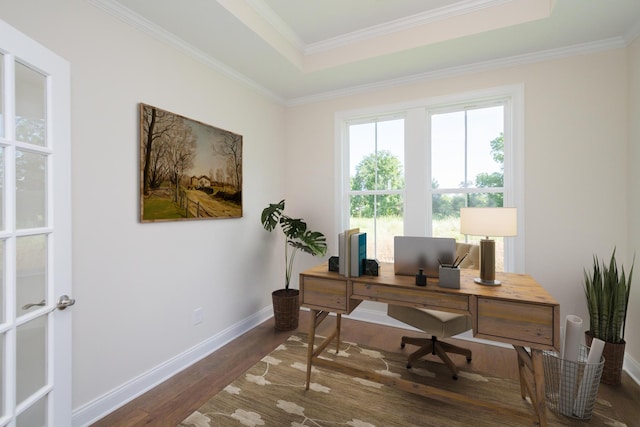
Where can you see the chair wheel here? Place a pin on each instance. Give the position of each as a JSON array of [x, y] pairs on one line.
[[455, 377], [468, 360], [402, 345], [408, 365]]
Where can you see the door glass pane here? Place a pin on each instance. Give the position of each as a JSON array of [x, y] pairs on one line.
[[2, 369], [34, 416], [2, 187], [30, 105], [30, 357], [30, 189], [31, 270], [1, 96], [2, 285]]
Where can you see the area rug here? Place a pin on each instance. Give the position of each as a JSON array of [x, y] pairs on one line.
[[272, 393]]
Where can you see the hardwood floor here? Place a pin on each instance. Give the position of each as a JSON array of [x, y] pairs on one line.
[[176, 398]]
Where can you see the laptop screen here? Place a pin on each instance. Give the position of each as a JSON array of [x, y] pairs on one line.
[[412, 253]]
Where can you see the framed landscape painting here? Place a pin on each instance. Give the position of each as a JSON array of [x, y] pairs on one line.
[[188, 170]]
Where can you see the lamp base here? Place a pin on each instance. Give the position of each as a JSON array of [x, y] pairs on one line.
[[487, 282]]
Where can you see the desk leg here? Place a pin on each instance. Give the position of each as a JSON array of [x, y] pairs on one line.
[[534, 388], [310, 344], [538, 378], [338, 322], [317, 316]]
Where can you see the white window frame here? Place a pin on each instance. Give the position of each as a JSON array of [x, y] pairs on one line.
[[417, 193]]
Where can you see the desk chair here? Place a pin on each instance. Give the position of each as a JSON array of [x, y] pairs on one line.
[[438, 324]]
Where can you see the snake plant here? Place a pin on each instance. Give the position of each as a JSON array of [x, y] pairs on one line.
[[607, 292], [296, 235]]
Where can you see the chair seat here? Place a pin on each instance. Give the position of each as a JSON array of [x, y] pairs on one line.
[[438, 324], [441, 324]]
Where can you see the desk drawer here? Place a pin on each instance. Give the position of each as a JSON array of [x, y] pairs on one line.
[[325, 294], [514, 321], [413, 296]]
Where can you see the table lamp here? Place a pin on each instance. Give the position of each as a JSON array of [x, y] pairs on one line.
[[495, 222]]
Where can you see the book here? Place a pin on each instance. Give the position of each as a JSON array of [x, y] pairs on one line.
[[344, 239], [341, 255], [358, 254], [347, 250]]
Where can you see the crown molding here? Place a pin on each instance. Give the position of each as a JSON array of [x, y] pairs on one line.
[[547, 55], [277, 23], [402, 24], [633, 33], [133, 19]]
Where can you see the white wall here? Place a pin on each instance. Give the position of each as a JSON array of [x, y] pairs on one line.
[[136, 285], [575, 161]]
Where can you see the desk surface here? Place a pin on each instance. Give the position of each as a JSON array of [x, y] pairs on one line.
[[518, 287]]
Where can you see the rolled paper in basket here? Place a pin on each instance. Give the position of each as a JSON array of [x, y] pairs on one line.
[[589, 384], [597, 347], [568, 366], [572, 338]]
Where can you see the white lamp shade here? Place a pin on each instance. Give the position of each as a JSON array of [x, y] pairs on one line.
[[496, 222]]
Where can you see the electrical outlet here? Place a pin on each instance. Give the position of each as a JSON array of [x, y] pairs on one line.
[[196, 317]]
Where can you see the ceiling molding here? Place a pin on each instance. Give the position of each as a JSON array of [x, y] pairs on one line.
[[402, 24], [133, 19], [633, 33], [277, 23]]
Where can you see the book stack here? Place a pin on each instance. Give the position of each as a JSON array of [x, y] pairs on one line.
[[352, 251]]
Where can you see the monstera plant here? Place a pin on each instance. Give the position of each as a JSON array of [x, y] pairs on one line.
[[286, 305]]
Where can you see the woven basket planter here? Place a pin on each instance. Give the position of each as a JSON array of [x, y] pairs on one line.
[[286, 308], [613, 358]]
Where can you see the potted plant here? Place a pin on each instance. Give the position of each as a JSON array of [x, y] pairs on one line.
[[286, 303], [607, 292]]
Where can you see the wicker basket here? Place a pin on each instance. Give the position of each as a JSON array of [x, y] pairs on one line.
[[614, 356], [286, 308]]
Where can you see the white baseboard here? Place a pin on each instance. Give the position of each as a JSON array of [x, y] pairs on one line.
[[116, 398], [631, 367]]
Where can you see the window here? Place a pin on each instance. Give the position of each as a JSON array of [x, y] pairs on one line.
[[407, 170]]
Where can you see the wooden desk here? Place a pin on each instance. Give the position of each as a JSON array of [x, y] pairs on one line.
[[520, 313]]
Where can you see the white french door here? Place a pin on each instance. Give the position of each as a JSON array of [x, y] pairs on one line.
[[35, 234]]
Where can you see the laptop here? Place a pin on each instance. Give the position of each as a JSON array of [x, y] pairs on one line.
[[412, 253]]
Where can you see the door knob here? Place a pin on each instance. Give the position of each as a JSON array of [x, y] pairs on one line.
[[65, 302]]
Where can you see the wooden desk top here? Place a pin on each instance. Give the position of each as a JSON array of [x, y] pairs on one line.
[[515, 287], [519, 312]]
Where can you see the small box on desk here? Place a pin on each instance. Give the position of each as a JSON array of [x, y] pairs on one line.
[[449, 277]]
